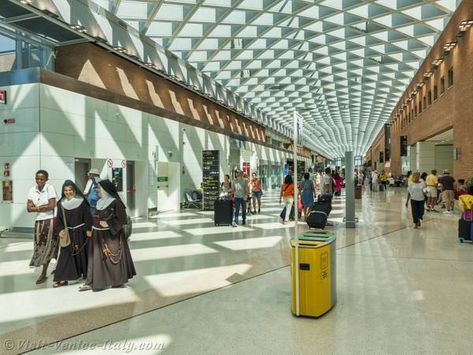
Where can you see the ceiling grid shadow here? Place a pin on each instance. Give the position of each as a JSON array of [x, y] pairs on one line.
[[341, 64]]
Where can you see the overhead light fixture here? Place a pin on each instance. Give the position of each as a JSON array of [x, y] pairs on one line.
[[151, 65], [26, 2], [79, 28], [120, 49], [449, 46], [437, 62], [420, 84], [428, 74], [465, 25]]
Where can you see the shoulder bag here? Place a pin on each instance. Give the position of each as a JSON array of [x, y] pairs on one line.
[[65, 240]]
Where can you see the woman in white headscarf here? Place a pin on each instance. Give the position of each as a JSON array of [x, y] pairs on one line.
[[74, 227], [110, 263]]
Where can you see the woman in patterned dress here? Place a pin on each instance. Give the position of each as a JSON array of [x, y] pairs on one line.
[[42, 201]]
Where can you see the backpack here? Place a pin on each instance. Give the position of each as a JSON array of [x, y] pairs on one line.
[[93, 196]]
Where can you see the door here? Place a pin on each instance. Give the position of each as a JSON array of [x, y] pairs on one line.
[[81, 168], [130, 187], [168, 186], [163, 186]]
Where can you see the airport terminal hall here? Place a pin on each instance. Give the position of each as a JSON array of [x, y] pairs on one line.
[[275, 177]]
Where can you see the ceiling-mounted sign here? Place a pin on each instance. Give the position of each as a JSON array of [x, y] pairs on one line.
[[3, 97]]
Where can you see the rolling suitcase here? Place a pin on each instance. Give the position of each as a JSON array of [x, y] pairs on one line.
[[223, 212], [317, 219], [322, 207]]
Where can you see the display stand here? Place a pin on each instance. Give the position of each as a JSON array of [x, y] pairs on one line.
[[210, 178]]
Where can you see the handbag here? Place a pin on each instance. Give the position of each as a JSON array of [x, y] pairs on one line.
[[128, 227], [64, 241]]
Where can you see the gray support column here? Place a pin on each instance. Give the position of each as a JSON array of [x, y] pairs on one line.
[[349, 191]]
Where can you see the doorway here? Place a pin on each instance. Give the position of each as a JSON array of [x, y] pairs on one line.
[[130, 187], [81, 168], [168, 186]]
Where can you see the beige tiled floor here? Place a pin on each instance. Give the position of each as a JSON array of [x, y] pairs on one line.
[[400, 290]]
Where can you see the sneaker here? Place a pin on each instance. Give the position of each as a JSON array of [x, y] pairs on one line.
[[243, 223], [259, 211], [234, 224]]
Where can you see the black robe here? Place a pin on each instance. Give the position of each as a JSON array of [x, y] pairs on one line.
[[73, 259], [114, 267]]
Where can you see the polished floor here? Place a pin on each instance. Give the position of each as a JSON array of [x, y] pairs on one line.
[[203, 289]]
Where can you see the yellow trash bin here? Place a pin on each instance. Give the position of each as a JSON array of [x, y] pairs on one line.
[[317, 274]]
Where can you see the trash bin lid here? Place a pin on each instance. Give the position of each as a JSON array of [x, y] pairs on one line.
[[327, 237]]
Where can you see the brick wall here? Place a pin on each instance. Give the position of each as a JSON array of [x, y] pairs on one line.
[[453, 109]]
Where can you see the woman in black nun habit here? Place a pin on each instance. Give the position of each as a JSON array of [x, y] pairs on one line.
[[110, 263], [74, 222]]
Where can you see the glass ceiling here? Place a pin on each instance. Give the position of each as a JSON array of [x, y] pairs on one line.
[[341, 64]]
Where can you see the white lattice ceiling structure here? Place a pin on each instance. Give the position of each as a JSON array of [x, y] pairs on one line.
[[342, 64]]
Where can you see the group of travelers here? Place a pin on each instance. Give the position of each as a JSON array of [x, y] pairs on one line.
[[374, 181], [329, 182], [429, 191], [84, 232], [246, 194]]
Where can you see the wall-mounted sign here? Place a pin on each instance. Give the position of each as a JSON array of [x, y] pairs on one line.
[[9, 121], [3, 97], [211, 177], [403, 146], [110, 163], [117, 178]]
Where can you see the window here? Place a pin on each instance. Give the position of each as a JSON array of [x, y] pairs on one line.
[[436, 92], [450, 77], [429, 97], [442, 85], [420, 105], [425, 102]]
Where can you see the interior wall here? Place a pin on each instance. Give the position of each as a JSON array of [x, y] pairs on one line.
[[55, 126]]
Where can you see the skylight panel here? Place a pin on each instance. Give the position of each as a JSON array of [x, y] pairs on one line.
[[170, 12]]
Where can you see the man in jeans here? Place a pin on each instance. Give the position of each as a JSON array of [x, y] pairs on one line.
[[448, 194], [241, 191]]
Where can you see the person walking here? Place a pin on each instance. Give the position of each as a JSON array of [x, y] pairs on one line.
[[74, 227], [110, 263], [226, 187], [417, 198], [90, 191], [307, 192], [287, 195], [448, 191], [256, 192], [240, 191], [42, 201], [374, 181], [431, 181]]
